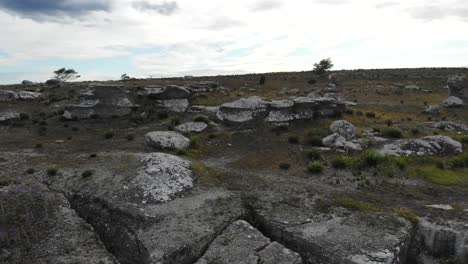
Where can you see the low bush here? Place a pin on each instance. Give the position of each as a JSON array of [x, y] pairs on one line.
[[30, 171], [52, 171], [407, 214], [339, 163], [352, 204], [87, 173], [293, 139], [314, 154], [315, 167], [284, 166], [460, 161], [391, 132], [109, 135], [370, 115], [315, 141], [201, 118]]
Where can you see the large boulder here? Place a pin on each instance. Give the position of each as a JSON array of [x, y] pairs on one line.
[[242, 243], [167, 140], [173, 105], [39, 226], [458, 87], [305, 107], [27, 83], [166, 93], [452, 101], [243, 110], [191, 127], [53, 82], [162, 177], [281, 111], [6, 96], [343, 128], [8, 115], [431, 145], [334, 140], [102, 101], [26, 95]]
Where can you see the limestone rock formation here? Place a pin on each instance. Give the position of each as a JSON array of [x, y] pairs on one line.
[[343, 128], [431, 145], [452, 101], [242, 243], [102, 101], [281, 111], [48, 230], [8, 116], [166, 140], [243, 110], [162, 177], [191, 127], [458, 87]]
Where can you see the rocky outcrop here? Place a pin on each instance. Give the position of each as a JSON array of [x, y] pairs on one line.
[[432, 110], [6, 95], [431, 145], [8, 116], [443, 240], [242, 243], [244, 110], [202, 87], [255, 109], [38, 226], [343, 133], [209, 111], [162, 177], [458, 87], [452, 101], [166, 140], [165, 93], [343, 128], [281, 111], [100, 101], [191, 127], [450, 126]]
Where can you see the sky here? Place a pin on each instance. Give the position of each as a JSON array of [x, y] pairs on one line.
[[103, 39]]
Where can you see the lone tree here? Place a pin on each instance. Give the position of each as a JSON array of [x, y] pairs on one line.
[[262, 80], [64, 75], [124, 77], [323, 66]]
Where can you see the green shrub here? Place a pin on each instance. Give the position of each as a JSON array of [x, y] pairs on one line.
[[280, 128], [163, 115], [315, 167], [94, 155], [339, 163], [407, 214], [315, 141], [52, 171], [313, 154], [109, 135], [460, 161], [293, 139], [438, 176], [181, 152], [38, 145], [464, 139], [130, 137], [30, 171], [370, 115], [24, 116], [391, 132], [368, 159], [284, 166], [201, 118], [175, 121], [87, 173], [352, 204]]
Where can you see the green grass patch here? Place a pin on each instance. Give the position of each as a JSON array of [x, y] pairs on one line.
[[206, 174], [439, 176], [407, 214], [352, 204]]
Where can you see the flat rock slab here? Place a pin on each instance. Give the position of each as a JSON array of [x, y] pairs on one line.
[[167, 140], [41, 227], [242, 243], [162, 177], [243, 110], [191, 127], [431, 145], [8, 116], [166, 93]]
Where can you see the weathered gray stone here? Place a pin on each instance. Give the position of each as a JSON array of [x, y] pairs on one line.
[[452, 101], [38, 226], [27, 83], [334, 141], [343, 128], [166, 93], [162, 177], [174, 105], [6, 96], [305, 107], [167, 140], [8, 116], [412, 87], [191, 127], [432, 109], [242, 243], [25, 95], [281, 111], [431, 145], [210, 111], [243, 110], [450, 126], [102, 101], [458, 87]]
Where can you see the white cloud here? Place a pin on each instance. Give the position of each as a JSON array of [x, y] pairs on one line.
[[209, 36]]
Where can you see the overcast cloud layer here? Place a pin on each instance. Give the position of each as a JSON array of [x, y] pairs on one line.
[[103, 39]]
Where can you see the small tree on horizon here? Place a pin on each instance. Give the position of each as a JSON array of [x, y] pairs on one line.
[[64, 75], [124, 77], [323, 66]]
